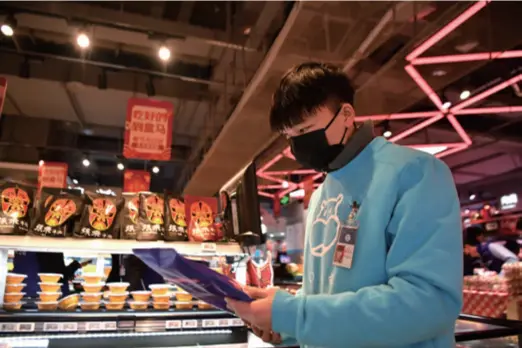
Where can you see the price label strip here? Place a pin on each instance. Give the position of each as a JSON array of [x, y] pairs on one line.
[[236, 322], [208, 247], [25, 327], [224, 323], [173, 324], [70, 327], [190, 324], [206, 323], [8, 327], [94, 326], [52, 327]]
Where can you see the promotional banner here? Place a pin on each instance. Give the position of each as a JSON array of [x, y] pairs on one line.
[[3, 90], [148, 129], [52, 174], [136, 181]]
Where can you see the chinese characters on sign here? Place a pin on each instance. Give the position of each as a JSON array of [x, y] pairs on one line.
[[148, 129], [3, 89], [52, 174], [136, 181]]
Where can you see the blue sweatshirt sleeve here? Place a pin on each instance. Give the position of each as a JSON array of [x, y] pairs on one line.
[[423, 295]]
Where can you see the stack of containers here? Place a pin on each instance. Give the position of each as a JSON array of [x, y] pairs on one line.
[[160, 296], [140, 300], [92, 295], [183, 300], [13, 291], [117, 295], [49, 291]]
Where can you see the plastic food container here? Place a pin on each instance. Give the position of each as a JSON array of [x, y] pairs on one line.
[[50, 277], [15, 278], [141, 296], [92, 287], [14, 287], [138, 305], [13, 296], [47, 306], [13, 306], [116, 297], [92, 296], [118, 287], [114, 306], [159, 289], [90, 306], [183, 296], [163, 306], [50, 287], [49, 296], [184, 305], [160, 298], [203, 305], [92, 278], [69, 303]]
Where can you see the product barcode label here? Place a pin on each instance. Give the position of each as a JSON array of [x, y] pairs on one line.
[[209, 323], [190, 324], [208, 247], [52, 327], [173, 324]]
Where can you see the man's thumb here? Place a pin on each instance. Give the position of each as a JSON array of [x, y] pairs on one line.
[[256, 293], [238, 307]]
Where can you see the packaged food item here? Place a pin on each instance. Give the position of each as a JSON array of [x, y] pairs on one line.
[[160, 298], [151, 217], [114, 306], [138, 305], [182, 295], [69, 303], [162, 306], [17, 201], [224, 220], [13, 306], [13, 297], [50, 287], [195, 278], [90, 306], [141, 296], [93, 287], [159, 289], [118, 287], [184, 305], [118, 296], [175, 219], [50, 277], [204, 306], [14, 287], [202, 211], [92, 278], [15, 278], [49, 296], [56, 215], [100, 217], [260, 274], [92, 296], [47, 306], [129, 215]]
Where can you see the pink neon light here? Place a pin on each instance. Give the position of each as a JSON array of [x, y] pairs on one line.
[[269, 163], [427, 146], [264, 194], [269, 187], [290, 188], [451, 151], [469, 57], [290, 172], [464, 16], [424, 86], [416, 128], [288, 153], [460, 131], [400, 116], [489, 110], [487, 93]]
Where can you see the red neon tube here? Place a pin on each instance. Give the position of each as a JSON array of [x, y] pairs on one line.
[[469, 57]]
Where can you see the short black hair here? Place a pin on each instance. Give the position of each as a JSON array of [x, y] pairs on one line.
[[472, 233], [306, 88]]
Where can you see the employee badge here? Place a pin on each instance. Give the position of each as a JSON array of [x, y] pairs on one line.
[[345, 247]]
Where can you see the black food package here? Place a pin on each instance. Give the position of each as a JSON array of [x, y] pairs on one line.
[[151, 217], [17, 203], [100, 217], [175, 219], [129, 215], [56, 214]]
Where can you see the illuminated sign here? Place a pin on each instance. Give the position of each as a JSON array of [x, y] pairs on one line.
[[508, 201]]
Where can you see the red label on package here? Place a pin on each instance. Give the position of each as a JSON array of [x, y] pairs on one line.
[[136, 181], [148, 129], [52, 174]]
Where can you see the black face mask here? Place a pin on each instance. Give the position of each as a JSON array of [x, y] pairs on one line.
[[312, 149]]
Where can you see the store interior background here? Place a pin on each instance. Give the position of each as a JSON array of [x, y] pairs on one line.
[[68, 104]]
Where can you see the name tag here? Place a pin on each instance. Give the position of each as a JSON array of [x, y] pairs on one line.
[[345, 247]]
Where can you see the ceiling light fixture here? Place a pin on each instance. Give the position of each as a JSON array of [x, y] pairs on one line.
[[465, 94], [155, 170], [472, 196], [41, 163], [446, 105], [285, 184], [86, 162], [8, 26], [75, 181], [386, 130], [164, 53], [83, 40], [121, 166]]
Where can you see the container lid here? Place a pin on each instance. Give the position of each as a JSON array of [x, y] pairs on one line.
[[16, 275], [118, 284]]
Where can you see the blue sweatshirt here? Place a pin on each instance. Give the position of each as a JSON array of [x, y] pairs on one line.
[[404, 288]]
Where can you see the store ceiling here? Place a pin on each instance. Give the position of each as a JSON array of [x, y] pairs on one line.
[[68, 105]]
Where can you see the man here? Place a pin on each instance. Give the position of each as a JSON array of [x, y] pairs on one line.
[[393, 210]]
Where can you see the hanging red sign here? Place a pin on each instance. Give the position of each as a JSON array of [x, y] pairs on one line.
[[277, 207], [148, 129], [52, 174], [136, 181], [3, 90]]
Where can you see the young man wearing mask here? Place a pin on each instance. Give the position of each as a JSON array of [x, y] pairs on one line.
[[391, 212]]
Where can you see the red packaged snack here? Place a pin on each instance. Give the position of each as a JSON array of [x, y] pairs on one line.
[[151, 217], [175, 219], [202, 212], [129, 215], [99, 218], [260, 274], [56, 215], [17, 201]]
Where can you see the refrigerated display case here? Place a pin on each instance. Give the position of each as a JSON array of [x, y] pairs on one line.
[[195, 327]]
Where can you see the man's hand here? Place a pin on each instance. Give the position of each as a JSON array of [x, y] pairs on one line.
[[258, 313]]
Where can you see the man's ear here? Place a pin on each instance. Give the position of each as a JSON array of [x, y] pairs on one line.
[[348, 114]]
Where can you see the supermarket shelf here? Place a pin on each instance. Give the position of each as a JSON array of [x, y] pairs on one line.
[[111, 246]]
